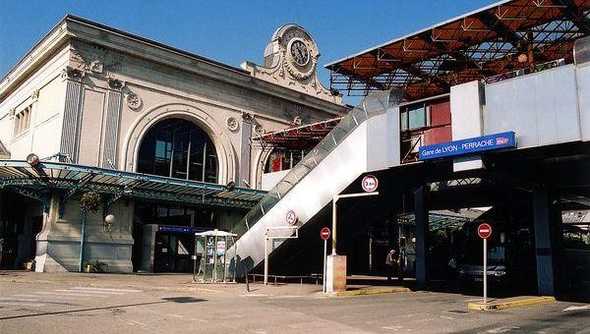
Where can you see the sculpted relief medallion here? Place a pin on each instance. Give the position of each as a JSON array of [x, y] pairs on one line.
[[133, 101], [232, 124]]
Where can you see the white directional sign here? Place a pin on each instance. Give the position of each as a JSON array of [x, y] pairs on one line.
[[370, 183]]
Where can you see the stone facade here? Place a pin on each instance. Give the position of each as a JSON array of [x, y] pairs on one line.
[[92, 92]]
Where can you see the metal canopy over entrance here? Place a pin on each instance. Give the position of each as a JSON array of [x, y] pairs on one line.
[[300, 137], [443, 219], [36, 181], [506, 36]]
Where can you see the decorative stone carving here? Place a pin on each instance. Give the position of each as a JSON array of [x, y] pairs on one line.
[[297, 121], [35, 95], [299, 60], [115, 83], [247, 117], [232, 124], [95, 59], [290, 60], [97, 66], [259, 129], [12, 113], [72, 73], [133, 101]]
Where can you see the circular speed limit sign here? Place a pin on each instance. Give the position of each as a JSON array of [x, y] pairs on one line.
[[291, 217], [370, 183]]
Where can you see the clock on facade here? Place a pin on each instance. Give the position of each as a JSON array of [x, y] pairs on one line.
[[299, 52]]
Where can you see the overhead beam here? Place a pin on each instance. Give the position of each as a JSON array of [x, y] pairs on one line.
[[415, 71], [369, 81], [574, 13], [495, 24], [441, 47]]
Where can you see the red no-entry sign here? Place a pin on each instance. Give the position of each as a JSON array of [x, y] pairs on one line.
[[484, 230], [325, 233]]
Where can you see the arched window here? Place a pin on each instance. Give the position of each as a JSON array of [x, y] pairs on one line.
[[282, 159], [178, 148]]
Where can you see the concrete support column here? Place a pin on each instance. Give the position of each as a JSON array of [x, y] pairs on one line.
[[544, 242], [421, 216]]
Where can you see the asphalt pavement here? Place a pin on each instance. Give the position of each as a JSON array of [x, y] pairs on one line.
[[106, 303]]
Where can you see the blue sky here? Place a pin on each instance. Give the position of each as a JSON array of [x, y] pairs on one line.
[[231, 31]]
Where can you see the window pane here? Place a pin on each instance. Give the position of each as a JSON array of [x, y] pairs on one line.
[[171, 145], [416, 117], [404, 121]]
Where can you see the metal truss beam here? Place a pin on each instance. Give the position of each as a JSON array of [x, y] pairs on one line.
[[494, 23], [367, 81], [77, 187], [441, 47], [415, 71], [576, 15]]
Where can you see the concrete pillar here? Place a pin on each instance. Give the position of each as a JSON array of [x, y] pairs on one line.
[[544, 242], [421, 214], [148, 247], [336, 273]]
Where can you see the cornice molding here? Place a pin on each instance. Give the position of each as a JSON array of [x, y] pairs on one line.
[[76, 28]]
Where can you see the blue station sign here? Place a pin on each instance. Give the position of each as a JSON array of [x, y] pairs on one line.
[[179, 229], [468, 146]]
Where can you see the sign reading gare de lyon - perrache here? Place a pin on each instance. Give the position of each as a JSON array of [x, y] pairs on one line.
[[468, 146]]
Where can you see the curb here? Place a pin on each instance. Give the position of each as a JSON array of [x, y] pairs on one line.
[[510, 303], [370, 291]]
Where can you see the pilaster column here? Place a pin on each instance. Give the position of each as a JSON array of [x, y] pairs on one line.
[[70, 133], [246, 151], [111, 131]]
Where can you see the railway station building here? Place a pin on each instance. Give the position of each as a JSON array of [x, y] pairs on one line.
[[483, 118], [155, 138]]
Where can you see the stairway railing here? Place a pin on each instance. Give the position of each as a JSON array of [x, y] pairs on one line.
[[374, 104]]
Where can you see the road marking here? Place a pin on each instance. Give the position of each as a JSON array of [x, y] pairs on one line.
[[136, 323], [393, 328], [77, 295], [57, 295], [26, 296], [31, 304], [104, 289], [286, 296], [11, 299], [576, 308], [504, 329], [92, 292]]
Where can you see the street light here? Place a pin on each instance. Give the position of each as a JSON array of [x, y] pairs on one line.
[[33, 159]]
